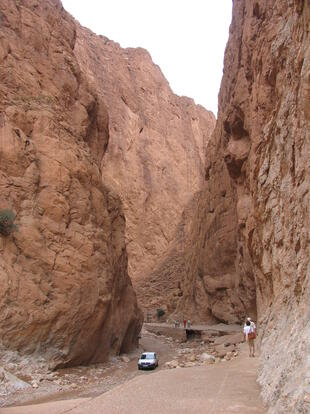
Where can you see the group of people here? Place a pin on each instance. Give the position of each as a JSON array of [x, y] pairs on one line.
[[249, 332], [186, 322]]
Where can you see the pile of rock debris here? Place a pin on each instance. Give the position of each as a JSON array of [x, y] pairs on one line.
[[211, 348]]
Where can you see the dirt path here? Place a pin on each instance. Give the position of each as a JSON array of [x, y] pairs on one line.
[[223, 388], [89, 382]]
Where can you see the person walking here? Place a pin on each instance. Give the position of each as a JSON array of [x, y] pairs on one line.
[[249, 336], [184, 321]]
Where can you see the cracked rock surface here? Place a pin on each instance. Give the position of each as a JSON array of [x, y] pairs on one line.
[[156, 154], [65, 292]]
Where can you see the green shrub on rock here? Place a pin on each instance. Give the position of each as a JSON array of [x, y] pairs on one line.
[[160, 312], [7, 225]]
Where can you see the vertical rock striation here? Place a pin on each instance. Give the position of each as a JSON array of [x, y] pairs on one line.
[[264, 132], [65, 292], [208, 272], [256, 237], [155, 158], [79, 116]]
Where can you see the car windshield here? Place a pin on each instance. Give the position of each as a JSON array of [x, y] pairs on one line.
[[148, 356]]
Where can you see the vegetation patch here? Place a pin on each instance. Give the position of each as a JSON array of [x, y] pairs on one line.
[[7, 225], [160, 312]]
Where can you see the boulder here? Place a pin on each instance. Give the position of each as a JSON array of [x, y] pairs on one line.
[[222, 350], [172, 364], [229, 339], [11, 383], [206, 357]]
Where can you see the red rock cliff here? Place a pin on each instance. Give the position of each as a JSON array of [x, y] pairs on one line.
[[259, 229], [156, 153], [266, 94], [65, 292]]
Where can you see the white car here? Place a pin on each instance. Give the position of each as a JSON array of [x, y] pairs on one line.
[[148, 360]]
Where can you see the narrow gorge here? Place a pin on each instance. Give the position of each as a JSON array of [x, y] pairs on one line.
[[129, 198]]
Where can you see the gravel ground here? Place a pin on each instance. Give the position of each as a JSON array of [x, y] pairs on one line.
[[83, 384], [42, 386], [222, 388]]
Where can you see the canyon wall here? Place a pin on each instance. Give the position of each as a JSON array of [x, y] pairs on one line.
[[90, 134], [87, 127], [65, 292], [206, 273], [256, 237], [263, 129], [156, 154]]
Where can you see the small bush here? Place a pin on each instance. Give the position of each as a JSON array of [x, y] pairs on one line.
[[7, 225], [160, 312]]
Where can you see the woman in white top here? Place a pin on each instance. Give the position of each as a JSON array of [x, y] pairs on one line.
[[249, 336]]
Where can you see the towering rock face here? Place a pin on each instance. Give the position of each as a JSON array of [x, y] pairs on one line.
[[259, 230], [81, 122], [65, 292], [264, 132], [206, 272], [156, 153]]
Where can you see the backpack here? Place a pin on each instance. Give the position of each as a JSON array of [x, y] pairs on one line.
[[252, 334]]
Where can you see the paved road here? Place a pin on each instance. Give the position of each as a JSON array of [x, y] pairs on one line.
[[222, 388]]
